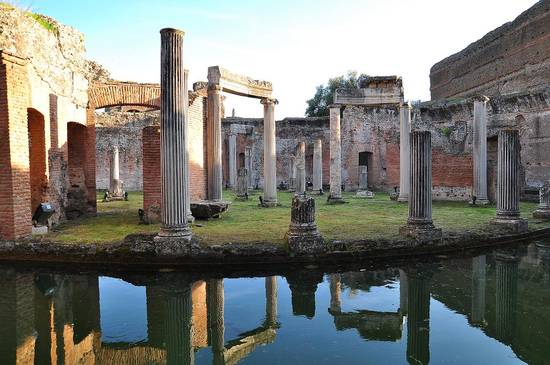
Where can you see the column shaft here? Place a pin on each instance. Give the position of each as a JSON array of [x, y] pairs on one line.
[[190, 217], [214, 143], [335, 155], [508, 174], [270, 153], [179, 326], [318, 165], [215, 308], [404, 152], [506, 298], [172, 137], [480, 152], [301, 168], [420, 199], [418, 321], [232, 149]]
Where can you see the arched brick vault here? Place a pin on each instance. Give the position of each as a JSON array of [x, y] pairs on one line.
[[101, 95]]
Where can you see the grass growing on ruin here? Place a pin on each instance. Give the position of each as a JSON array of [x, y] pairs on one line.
[[247, 222]]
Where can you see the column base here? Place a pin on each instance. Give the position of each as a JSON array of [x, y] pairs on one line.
[[364, 194], [513, 224], [304, 240], [479, 202], [335, 200], [403, 198], [180, 233], [269, 203], [422, 232], [542, 214]]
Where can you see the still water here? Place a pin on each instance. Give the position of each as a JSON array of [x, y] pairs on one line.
[[488, 308]]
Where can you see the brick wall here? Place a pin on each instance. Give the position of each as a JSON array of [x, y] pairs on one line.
[[151, 172]]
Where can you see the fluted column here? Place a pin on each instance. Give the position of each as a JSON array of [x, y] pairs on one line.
[[508, 181], [301, 168], [335, 293], [215, 308], [270, 153], [543, 210], [419, 223], [190, 217], [271, 301], [232, 144], [418, 318], [404, 152], [479, 148], [179, 326], [506, 296], [318, 166], [335, 156], [214, 143], [172, 138], [115, 185], [479, 282]]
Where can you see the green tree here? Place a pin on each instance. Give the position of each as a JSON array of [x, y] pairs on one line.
[[324, 94]]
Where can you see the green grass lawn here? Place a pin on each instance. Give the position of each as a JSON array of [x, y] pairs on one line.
[[247, 222]]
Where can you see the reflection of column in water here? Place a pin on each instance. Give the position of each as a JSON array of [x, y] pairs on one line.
[[418, 322], [478, 289], [544, 256], [403, 292], [506, 295], [179, 325], [303, 285], [155, 315], [335, 293], [271, 301], [215, 305]]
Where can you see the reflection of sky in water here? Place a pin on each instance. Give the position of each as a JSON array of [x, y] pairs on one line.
[[123, 311], [379, 298]]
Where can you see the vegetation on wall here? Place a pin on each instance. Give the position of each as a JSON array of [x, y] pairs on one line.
[[324, 94], [45, 22]]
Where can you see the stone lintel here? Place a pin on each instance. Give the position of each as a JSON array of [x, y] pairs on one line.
[[7, 57], [369, 96], [239, 84]]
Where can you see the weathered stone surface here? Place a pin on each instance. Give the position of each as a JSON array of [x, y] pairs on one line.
[[543, 210], [207, 209], [270, 154], [300, 168], [335, 157], [238, 84], [374, 91], [404, 151], [479, 150], [242, 183], [318, 165], [302, 236]]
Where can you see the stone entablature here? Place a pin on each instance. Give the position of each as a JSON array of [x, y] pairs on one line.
[[238, 84], [373, 91]]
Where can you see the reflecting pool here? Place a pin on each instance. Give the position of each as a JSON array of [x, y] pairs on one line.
[[487, 308]]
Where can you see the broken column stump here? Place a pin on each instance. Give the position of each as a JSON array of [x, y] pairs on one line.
[[302, 236], [242, 184], [543, 210]]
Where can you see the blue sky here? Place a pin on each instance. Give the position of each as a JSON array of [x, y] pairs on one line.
[[295, 44]]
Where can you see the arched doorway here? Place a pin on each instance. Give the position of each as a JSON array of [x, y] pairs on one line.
[[37, 158]]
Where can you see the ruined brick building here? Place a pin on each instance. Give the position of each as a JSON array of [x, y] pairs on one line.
[[58, 147]]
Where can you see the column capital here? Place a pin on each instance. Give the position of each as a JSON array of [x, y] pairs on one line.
[[406, 104], [335, 106], [480, 97], [172, 31], [266, 101], [214, 87]]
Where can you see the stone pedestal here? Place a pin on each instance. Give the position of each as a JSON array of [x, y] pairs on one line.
[[270, 154], [363, 191], [173, 175], [292, 174], [242, 183], [232, 161], [303, 236], [214, 143], [404, 152], [301, 168], [318, 166], [543, 210], [508, 182], [303, 286], [420, 224], [335, 196], [479, 149]]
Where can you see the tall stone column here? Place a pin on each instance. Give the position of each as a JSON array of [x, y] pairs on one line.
[[479, 282], [271, 301], [172, 138], [232, 144], [506, 295], [418, 320], [335, 156], [419, 223], [508, 182], [292, 173], [270, 153], [179, 326], [115, 185], [318, 166], [543, 210], [404, 152], [214, 143], [335, 293], [190, 217], [215, 308], [248, 165], [479, 148], [301, 168]]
